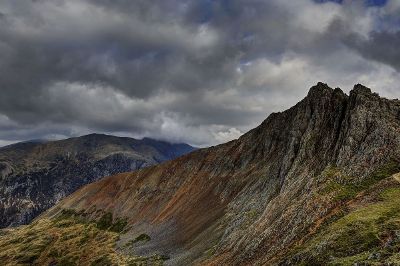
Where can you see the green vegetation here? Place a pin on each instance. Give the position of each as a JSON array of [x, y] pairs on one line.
[[211, 251], [346, 187], [140, 238], [248, 218], [369, 235], [68, 239], [102, 261], [118, 226], [105, 221], [145, 260], [46, 242], [67, 213], [67, 261], [252, 214], [152, 260]]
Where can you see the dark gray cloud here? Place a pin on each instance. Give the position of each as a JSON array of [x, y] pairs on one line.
[[380, 46], [202, 71]]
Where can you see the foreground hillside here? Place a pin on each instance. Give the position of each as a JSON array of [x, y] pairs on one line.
[[317, 184], [36, 175]]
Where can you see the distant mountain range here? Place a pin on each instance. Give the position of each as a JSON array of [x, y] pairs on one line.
[[34, 175]]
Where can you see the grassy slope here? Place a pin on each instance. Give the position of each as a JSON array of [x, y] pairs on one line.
[[69, 239], [370, 234], [367, 229]]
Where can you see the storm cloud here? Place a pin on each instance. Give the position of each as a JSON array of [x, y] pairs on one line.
[[202, 72]]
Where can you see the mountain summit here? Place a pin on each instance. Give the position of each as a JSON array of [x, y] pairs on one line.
[[313, 185]]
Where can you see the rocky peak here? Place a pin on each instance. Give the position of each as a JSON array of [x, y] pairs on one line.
[[319, 90], [361, 89], [321, 95], [326, 127]]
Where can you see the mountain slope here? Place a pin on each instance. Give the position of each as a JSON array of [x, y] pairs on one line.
[[36, 175], [263, 199]]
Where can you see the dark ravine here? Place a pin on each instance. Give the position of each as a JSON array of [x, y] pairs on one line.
[[37, 174], [268, 198]]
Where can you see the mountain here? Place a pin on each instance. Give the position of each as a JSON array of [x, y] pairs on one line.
[[317, 184], [34, 175]]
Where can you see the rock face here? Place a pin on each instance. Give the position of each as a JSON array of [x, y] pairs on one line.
[[252, 200], [36, 175]]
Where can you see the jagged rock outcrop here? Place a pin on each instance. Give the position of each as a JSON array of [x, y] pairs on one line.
[[35, 175], [253, 200]]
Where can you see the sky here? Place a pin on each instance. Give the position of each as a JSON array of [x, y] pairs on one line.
[[197, 71]]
